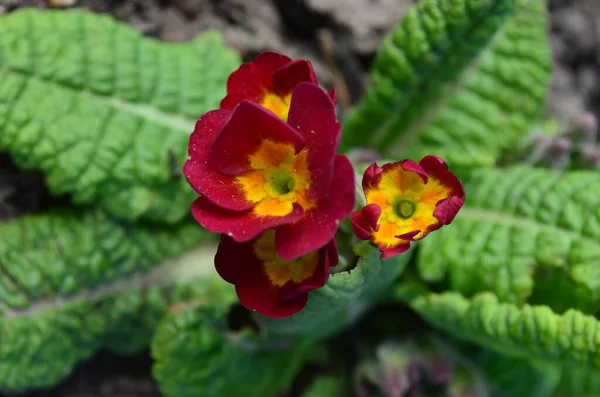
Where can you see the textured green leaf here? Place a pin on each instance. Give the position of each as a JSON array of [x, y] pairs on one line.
[[515, 377], [99, 108], [579, 382], [533, 332], [463, 79], [526, 235], [345, 297], [197, 355], [73, 282]]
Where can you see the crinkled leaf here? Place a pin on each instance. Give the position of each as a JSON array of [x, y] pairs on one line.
[[73, 282], [526, 235], [345, 297], [104, 112], [579, 382], [197, 355], [462, 79], [515, 377], [533, 332]]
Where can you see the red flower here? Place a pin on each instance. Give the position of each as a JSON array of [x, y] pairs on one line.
[[255, 172], [268, 284], [405, 202], [268, 80]]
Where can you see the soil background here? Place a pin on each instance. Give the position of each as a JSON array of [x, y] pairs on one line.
[[340, 37]]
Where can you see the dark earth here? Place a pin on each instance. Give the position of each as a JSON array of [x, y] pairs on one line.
[[340, 37]]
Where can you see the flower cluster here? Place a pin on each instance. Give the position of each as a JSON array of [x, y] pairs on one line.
[[271, 183]]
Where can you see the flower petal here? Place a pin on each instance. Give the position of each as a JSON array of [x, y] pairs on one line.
[[371, 176], [240, 225], [242, 135], [333, 255], [437, 169], [312, 114], [318, 226], [231, 257], [218, 188], [251, 80], [446, 210], [317, 280], [287, 77], [390, 252], [364, 222]]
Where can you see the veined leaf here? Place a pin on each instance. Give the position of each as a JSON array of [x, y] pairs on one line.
[[73, 282], [104, 112], [515, 377], [525, 234], [462, 79], [533, 332], [579, 382], [197, 355], [344, 298]]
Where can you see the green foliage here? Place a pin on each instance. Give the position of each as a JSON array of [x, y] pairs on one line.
[[197, 355], [104, 112], [463, 79], [533, 332], [345, 297], [325, 386], [73, 282], [579, 382], [515, 377], [524, 234]]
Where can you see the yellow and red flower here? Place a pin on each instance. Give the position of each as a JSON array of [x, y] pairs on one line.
[[269, 80], [268, 284], [256, 172], [405, 202]]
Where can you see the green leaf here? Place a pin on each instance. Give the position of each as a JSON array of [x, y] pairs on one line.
[[525, 234], [579, 382], [74, 282], [515, 377], [103, 112], [462, 79], [197, 355], [533, 332], [345, 297], [325, 386]]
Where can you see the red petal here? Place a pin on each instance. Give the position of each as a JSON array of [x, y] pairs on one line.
[[371, 176], [231, 257], [437, 168], [240, 225], [287, 77], [251, 80], [242, 135], [318, 226], [364, 222], [409, 165], [333, 95], [408, 236], [255, 291], [312, 114], [446, 210], [218, 188], [333, 256], [390, 252]]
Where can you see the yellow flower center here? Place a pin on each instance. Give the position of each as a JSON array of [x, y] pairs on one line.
[[276, 104], [278, 178], [407, 204], [279, 271]]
